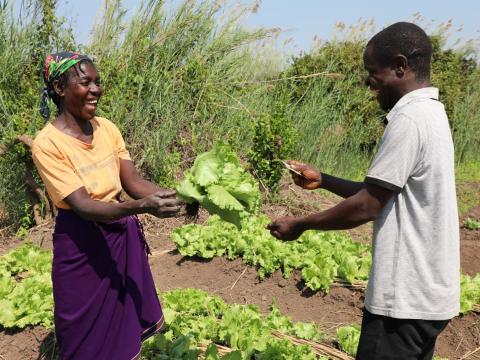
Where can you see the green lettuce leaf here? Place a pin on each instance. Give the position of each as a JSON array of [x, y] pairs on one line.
[[189, 192], [219, 183], [206, 168], [348, 338], [219, 196]]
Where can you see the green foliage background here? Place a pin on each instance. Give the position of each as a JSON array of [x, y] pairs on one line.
[[176, 82]]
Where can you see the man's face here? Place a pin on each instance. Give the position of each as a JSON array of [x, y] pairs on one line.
[[382, 80]]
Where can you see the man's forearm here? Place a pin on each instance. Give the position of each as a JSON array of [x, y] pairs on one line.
[[350, 213], [341, 187], [366, 205]]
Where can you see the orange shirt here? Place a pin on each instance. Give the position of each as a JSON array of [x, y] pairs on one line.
[[66, 163]]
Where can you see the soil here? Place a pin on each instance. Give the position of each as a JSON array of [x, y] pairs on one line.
[[470, 244], [237, 283]]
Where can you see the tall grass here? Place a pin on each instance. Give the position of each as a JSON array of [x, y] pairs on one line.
[[23, 43], [466, 122], [171, 81]]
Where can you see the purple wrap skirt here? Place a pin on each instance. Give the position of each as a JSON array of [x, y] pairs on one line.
[[105, 298]]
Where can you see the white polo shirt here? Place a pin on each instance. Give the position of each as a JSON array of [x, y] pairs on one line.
[[416, 253]]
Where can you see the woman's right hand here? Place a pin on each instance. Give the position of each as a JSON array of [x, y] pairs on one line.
[[163, 204], [309, 177]]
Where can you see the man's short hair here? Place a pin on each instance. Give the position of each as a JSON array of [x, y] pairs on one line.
[[406, 39]]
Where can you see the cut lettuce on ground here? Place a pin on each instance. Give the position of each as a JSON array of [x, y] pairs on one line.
[[219, 183]]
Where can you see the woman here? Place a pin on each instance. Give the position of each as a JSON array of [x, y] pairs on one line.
[[105, 298]]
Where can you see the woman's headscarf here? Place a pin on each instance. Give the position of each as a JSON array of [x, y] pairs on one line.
[[56, 65]]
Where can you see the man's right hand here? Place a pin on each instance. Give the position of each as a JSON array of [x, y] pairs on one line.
[[163, 204], [309, 177]]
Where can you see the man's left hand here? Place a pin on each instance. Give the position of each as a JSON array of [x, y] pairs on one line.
[[286, 228]]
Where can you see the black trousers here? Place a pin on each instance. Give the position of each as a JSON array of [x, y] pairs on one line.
[[385, 338]]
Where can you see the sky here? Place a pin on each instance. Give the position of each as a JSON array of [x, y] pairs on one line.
[[303, 20]]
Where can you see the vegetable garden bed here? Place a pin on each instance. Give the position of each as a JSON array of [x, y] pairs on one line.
[[237, 283]]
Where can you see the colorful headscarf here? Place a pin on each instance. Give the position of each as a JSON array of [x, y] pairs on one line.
[[56, 65]]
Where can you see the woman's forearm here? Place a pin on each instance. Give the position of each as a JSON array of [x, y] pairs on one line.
[[100, 211], [139, 188], [134, 184]]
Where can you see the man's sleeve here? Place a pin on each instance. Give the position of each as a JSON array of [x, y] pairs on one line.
[[398, 155]]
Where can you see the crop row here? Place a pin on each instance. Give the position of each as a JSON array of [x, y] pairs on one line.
[[197, 324]]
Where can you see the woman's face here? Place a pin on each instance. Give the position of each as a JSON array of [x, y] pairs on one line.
[[82, 91]]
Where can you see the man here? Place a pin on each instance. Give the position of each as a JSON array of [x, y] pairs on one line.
[[409, 193]]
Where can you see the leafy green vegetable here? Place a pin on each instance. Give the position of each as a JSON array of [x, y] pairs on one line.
[[242, 328], [193, 240], [207, 167], [470, 292], [348, 338], [222, 198], [165, 346], [194, 318], [26, 288], [219, 183], [471, 224], [190, 192], [321, 257], [319, 272], [282, 349], [212, 354]]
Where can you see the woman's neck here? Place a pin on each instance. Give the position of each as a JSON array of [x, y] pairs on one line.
[[77, 128], [72, 125]]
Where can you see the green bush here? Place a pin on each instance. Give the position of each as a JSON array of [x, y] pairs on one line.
[[273, 142]]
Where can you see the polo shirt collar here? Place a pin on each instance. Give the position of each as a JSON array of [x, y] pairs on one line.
[[423, 93]]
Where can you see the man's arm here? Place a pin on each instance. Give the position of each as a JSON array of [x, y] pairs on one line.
[[354, 211], [362, 207], [309, 178], [341, 187]]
